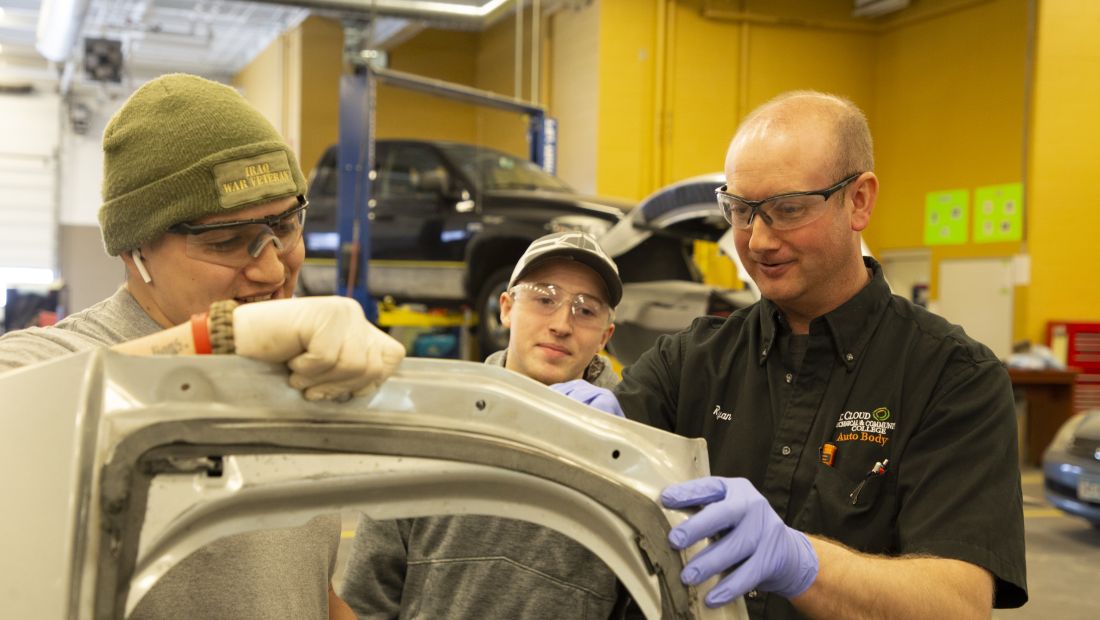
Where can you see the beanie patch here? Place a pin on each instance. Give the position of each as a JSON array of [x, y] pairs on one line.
[[183, 147], [252, 179]]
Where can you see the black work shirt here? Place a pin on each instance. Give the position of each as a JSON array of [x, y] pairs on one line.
[[880, 379]]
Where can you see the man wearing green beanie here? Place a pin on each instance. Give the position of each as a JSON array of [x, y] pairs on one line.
[[205, 204]]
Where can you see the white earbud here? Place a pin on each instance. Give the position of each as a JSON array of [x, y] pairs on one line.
[[136, 255]]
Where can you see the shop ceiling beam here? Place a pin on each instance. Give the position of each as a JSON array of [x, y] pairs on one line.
[[457, 92]]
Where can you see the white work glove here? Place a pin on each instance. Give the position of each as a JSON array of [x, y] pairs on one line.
[[332, 351]]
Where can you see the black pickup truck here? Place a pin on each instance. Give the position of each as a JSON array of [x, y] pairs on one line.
[[448, 222]]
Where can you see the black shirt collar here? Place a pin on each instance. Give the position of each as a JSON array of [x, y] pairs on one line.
[[850, 325]]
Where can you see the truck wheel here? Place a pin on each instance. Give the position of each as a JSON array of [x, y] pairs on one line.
[[491, 335]]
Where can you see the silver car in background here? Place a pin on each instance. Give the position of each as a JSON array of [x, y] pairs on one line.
[[663, 291], [1071, 467]]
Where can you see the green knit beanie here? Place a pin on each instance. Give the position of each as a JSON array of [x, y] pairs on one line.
[[181, 148]]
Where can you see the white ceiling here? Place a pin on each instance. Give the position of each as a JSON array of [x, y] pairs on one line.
[[214, 38]]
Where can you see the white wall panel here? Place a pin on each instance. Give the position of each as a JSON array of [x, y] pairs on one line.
[[977, 293], [82, 162], [29, 124], [574, 93]]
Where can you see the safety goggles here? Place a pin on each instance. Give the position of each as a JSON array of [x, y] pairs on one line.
[[545, 299], [781, 212], [235, 244]]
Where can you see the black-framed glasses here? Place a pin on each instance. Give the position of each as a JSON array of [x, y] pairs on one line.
[[545, 299], [236, 243], [781, 212]]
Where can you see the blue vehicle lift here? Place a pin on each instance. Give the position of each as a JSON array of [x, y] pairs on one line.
[[357, 163]]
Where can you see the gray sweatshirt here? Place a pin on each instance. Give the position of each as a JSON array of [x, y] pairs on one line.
[[475, 566], [281, 573]]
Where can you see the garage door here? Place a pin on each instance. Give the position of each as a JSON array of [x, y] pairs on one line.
[[29, 129]]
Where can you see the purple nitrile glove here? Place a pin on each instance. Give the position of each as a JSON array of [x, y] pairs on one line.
[[762, 551], [584, 392]]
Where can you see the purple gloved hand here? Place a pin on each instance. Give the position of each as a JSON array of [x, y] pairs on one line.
[[584, 392], [767, 554]]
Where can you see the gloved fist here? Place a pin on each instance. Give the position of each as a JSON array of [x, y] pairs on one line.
[[772, 556], [584, 392], [332, 351]]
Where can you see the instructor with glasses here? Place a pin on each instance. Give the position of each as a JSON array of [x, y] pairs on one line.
[[863, 450]]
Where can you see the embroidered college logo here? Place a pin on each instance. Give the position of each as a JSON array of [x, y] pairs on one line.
[[866, 426], [725, 416]]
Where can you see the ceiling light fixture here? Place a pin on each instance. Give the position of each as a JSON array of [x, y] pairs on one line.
[[427, 7], [59, 23]]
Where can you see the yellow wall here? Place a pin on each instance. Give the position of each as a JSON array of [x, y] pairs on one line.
[[438, 54], [676, 77], [723, 63], [718, 60], [496, 61], [295, 83], [264, 84], [482, 60], [948, 113], [322, 42], [624, 143], [701, 93], [943, 85], [1063, 159]]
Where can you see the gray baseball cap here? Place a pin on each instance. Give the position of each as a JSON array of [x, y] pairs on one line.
[[573, 245]]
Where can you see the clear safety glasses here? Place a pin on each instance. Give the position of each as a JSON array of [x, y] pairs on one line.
[[235, 244], [545, 299], [782, 212]]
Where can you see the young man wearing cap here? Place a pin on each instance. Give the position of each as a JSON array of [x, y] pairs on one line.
[[204, 202], [545, 342], [559, 308]]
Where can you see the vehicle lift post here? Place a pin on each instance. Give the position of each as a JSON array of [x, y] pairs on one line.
[[356, 161]]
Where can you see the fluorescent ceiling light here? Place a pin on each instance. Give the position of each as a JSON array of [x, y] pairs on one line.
[[439, 8]]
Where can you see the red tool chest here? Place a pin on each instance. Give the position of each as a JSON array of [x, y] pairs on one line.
[[1081, 344]]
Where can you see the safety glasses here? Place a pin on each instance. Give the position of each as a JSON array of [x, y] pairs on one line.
[[545, 299], [781, 212], [235, 244]]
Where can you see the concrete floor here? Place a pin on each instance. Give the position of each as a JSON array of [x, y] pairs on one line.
[[1063, 561]]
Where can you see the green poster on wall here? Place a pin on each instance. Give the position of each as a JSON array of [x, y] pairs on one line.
[[945, 217], [999, 213]]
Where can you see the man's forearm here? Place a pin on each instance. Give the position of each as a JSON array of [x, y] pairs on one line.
[[176, 340], [850, 584]]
